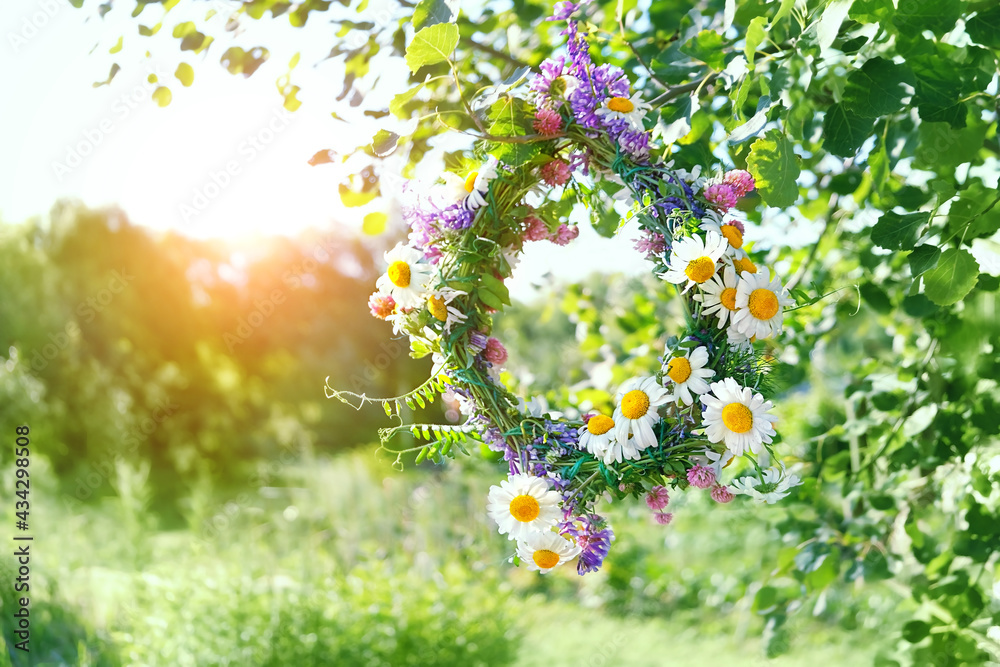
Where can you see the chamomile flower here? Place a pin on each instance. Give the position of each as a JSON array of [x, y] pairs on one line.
[[718, 461], [759, 305], [638, 401], [738, 417], [597, 435], [439, 305], [477, 184], [738, 341], [693, 259], [406, 278], [522, 505], [731, 230], [718, 295], [546, 551], [630, 109], [686, 373], [774, 485]]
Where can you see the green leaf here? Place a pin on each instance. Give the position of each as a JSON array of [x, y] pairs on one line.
[[756, 34], [396, 106], [898, 232], [871, 11], [384, 143], [432, 12], [511, 117], [162, 96], [432, 45], [984, 27], [876, 89], [352, 198], [844, 131], [975, 213], [943, 147], [184, 74], [706, 46], [775, 168], [923, 258], [914, 631], [374, 223], [953, 278], [496, 287], [490, 299], [914, 16]]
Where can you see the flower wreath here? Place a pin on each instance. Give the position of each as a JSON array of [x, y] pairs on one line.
[[678, 427]]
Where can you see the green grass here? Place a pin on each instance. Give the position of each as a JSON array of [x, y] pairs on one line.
[[346, 562]]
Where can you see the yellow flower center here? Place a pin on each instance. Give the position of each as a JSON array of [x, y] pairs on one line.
[[438, 308], [470, 181], [763, 304], [737, 418], [635, 404], [700, 270], [545, 559], [399, 274], [621, 104], [744, 265], [728, 298], [524, 508], [679, 369], [599, 425], [733, 235]]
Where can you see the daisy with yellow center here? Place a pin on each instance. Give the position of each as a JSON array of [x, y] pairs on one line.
[[523, 505], [598, 435], [759, 305], [686, 373], [632, 110], [693, 259], [731, 231], [439, 306], [744, 265], [738, 417], [406, 278], [638, 401], [718, 295], [477, 184], [545, 551]]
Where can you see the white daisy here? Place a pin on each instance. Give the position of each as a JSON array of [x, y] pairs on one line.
[[477, 184], [693, 259], [686, 373], [407, 276], [759, 305], [741, 264], [774, 485], [731, 231], [522, 505], [738, 417], [719, 461], [638, 401], [439, 305], [597, 435], [718, 295], [630, 109], [546, 551]]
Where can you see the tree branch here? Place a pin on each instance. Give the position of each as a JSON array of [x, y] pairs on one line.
[[496, 53]]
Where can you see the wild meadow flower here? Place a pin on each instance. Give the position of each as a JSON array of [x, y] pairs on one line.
[[495, 352], [740, 180], [686, 373], [693, 259], [597, 435], [722, 195], [547, 122], [555, 173], [406, 278], [759, 304], [774, 485], [632, 110], [737, 416], [722, 494], [700, 477], [522, 505], [718, 295], [381, 305], [663, 518], [546, 551], [565, 234], [657, 498], [638, 400]]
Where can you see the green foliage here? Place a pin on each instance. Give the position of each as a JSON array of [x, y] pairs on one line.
[[775, 167], [431, 45]]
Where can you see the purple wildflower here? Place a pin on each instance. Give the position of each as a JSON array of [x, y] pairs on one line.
[[594, 537]]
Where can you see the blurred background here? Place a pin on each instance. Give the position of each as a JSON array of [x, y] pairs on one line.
[[182, 275]]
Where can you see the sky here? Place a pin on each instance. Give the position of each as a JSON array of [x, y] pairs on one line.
[[224, 158]]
